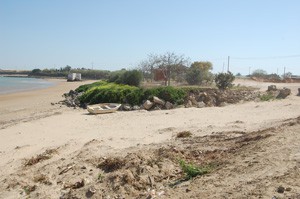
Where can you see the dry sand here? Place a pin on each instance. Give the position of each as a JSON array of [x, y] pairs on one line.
[[30, 125]]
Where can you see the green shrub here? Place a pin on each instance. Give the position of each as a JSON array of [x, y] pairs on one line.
[[112, 93], [36, 71], [131, 77], [86, 87], [267, 97], [224, 80], [191, 170], [116, 76], [194, 76], [104, 92], [171, 94]]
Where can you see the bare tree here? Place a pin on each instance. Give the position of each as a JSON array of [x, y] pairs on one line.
[[169, 63], [147, 66]]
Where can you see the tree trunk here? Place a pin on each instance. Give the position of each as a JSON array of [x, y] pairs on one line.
[[169, 78]]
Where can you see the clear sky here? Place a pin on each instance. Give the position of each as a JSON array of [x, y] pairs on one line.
[[115, 34]]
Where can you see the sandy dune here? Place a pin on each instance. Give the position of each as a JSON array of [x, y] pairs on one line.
[[31, 125]]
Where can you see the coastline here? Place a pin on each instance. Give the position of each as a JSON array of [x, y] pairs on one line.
[[29, 104], [38, 85], [30, 126]]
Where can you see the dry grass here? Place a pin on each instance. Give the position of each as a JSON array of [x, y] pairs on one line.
[[184, 134], [41, 157], [111, 164]]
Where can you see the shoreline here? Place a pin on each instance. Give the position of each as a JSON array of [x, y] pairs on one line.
[[20, 90], [30, 104], [53, 83], [30, 126]]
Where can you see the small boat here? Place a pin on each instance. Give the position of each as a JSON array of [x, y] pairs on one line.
[[103, 108]]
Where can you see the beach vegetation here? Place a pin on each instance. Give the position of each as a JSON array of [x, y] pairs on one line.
[[111, 164], [130, 77], [86, 87], [192, 170], [28, 189], [167, 93], [36, 70], [104, 92], [100, 177], [267, 97], [184, 134], [112, 93], [224, 80]]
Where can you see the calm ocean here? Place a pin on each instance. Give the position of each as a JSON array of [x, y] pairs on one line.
[[17, 84]]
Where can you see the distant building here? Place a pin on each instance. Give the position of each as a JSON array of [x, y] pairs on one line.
[[78, 77], [74, 77], [159, 75]]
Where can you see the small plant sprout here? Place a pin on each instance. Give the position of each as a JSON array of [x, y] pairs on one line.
[[192, 171]]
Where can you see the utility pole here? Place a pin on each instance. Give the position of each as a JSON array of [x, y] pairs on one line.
[[284, 72], [228, 64], [277, 71], [249, 70]]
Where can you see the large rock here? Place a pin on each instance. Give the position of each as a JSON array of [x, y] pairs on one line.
[[201, 105], [148, 105], [284, 93], [272, 88], [222, 104], [192, 98], [126, 107], [169, 105], [188, 104], [202, 96], [136, 108], [156, 100]]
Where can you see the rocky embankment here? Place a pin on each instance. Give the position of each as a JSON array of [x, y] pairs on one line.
[[199, 99]]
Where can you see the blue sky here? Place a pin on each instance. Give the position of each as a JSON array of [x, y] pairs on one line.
[[115, 34]]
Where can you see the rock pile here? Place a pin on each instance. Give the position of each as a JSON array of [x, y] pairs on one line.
[[72, 99], [197, 98], [272, 88], [283, 93], [154, 103], [157, 104], [214, 97], [278, 93]]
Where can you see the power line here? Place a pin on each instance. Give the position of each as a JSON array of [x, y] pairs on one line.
[[254, 58], [271, 57]]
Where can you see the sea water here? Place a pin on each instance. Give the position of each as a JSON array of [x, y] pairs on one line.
[[18, 84]]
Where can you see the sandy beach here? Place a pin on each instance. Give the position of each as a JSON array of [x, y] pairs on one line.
[[31, 123]]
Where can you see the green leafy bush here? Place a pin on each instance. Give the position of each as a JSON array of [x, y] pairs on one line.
[[171, 94], [36, 71], [100, 92], [116, 76], [86, 87], [224, 80], [131, 77], [194, 76], [112, 93]]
